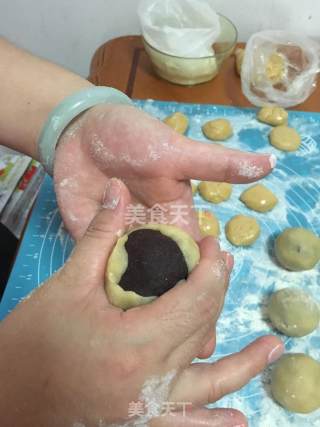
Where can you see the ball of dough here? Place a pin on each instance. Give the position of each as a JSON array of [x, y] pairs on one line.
[[178, 122], [217, 130], [285, 138], [273, 116], [208, 224], [276, 68], [293, 312], [147, 262], [215, 192], [259, 198], [242, 230], [239, 55], [295, 383], [297, 249], [194, 187]]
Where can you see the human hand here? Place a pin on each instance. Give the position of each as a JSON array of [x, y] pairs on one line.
[[69, 359], [155, 162]]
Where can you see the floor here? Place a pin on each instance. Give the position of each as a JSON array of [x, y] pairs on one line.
[[8, 247]]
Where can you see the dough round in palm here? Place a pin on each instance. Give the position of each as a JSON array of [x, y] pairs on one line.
[[295, 383], [147, 262]]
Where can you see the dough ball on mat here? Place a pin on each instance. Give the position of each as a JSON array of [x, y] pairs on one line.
[[208, 224], [284, 138], [215, 192], [293, 312], [242, 230], [297, 249], [178, 122], [295, 383], [273, 115], [217, 130], [259, 198]]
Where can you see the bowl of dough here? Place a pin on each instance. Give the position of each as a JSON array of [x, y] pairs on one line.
[[186, 41]]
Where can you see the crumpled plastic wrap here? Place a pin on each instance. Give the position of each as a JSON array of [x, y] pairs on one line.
[[279, 68], [184, 28]]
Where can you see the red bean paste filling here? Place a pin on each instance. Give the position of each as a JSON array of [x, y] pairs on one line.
[[155, 263]]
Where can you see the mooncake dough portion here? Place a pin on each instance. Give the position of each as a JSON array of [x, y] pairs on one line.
[[208, 224], [276, 68], [194, 187], [259, 198], [239, 55], [285, 138], [295, 383], [297, 249], [178, 122], [293, 312], [242, 230], [218, 129], [147, 262], [272, 115], [215, 192]]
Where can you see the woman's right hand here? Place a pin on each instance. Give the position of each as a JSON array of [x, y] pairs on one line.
[[70, 359]]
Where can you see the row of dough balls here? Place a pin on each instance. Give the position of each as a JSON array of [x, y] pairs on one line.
[[241, 230], [296, 249], [281, 136]]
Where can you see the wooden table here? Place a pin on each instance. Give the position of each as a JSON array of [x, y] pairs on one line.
[[123, 63]]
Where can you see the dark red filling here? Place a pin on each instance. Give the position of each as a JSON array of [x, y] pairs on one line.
[[155, 263]]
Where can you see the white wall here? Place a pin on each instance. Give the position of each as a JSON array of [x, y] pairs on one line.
[[69, 31]]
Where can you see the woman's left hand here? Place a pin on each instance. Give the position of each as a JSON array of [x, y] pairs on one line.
[[155, 162]]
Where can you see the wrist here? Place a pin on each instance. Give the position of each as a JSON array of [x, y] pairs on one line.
[[68, 110]]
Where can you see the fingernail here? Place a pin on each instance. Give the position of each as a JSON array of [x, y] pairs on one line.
[[273, 161], [111, 197], [229, 261], [275, 353]]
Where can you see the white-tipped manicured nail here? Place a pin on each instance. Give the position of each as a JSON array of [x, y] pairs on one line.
[[275, 353], [273, 161]]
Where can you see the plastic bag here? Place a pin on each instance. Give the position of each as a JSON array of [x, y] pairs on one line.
[[279, 68], [185, 28]]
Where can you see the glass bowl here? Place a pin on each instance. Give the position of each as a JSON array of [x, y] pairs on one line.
[[191, 71]]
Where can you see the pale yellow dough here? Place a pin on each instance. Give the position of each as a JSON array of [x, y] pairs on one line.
[[217, 130], [194, 187], [118, 263], [276, 68], [239, 55], [208, 224], [293, 312], [285, 138], [259, 198], [272, 115], [295, 383], [297, 249], [242, 230], [215, 192], [177, 121]]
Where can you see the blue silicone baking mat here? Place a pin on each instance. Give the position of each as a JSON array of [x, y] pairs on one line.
[[295, 181]]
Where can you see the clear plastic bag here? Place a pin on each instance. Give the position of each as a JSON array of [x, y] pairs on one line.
[[279, 68], [184, 28]]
